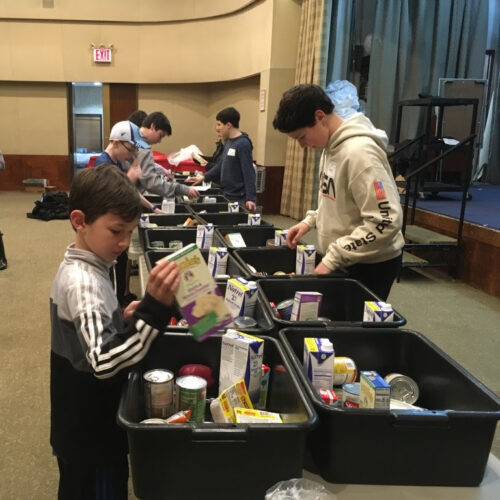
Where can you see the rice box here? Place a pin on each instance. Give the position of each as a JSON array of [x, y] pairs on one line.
[[204, 235], [375, 392], [305, 262], [306, 306], [319, 356], [199, 299], [254, 219], [280, 237], [241, 358], [241, 296], [378, 312], [217, 260]]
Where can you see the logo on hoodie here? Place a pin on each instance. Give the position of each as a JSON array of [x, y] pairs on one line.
[[327, 184]]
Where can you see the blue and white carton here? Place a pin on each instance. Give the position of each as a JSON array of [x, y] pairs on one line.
[[217, 260], [318, 361], [205, 235], [378, 312], [374, 391], [254, 219], [241, 296], [305, 262], [280, 237]]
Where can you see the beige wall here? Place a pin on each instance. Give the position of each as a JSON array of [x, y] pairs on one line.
[[33, 118]]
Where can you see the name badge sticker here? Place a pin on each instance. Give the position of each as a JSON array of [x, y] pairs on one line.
[[231, 152]]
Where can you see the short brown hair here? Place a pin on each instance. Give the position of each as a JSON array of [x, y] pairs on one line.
[[104, 189]]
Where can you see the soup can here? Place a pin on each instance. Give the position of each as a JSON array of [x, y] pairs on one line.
[[192, 393], [159, 393]]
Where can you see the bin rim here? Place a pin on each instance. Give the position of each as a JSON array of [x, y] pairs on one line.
[[282, 323], [307, 425], [393, 414]]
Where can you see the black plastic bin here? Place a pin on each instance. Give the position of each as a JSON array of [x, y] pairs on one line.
[[343, 301], [222, 461], [272, 259], [155, 199], [219, 198], [165, 220], [229, 219], [213, 208], [446, 445], [166, 235], [254, 236]]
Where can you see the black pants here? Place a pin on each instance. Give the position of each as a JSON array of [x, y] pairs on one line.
[[378, 278], [84, 481]]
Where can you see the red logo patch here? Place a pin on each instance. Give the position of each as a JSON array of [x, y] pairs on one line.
[[379, 190]]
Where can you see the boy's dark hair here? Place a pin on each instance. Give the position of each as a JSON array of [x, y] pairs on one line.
[[298, 105], [159, 120], [229, 115], [138, 117], [104, 189]]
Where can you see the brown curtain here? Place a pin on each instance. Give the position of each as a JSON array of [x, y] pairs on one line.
[[300, 164]]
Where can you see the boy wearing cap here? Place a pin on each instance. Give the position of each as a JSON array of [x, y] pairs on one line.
[[359, 215], [234, 170]]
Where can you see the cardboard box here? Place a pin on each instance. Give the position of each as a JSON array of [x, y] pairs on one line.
[[306, 305], [375, 392]]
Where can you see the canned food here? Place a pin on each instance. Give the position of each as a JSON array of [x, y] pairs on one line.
[[159, 393], [157, 244], [344, 370], [191, 394], [350, 395], [175, 244], [284, 309], [279, 273], [403, 388], [245, 322]]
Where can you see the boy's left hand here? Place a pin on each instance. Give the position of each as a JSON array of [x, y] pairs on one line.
[[130, 309]]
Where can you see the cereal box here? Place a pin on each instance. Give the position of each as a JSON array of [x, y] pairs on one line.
[[222, 408], [241, 296], [204, 235], [254, 219], [318, 362], [305, 262], [235, 239], [250, 416], [378, 312], [198, 296], [241, 358], [375, 392], [217, 260], [306, 305]]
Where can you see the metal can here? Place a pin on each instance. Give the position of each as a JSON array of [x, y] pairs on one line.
[[350, 395], [192, 393], [403, 388], [284, 309], [344, 370], [279, 273], [159, 393], [157, 244], [175, 244], [245, 322]]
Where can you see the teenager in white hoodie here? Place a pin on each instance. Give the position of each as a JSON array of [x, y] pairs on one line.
[[359, 215]]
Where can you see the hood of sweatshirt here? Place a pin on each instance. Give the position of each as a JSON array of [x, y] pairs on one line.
[[242, 137]]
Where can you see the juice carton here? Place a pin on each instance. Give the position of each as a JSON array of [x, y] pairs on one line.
[[205, 235], [378, 312], [241, 296], [318, 361], [233, 206], [280, 237], [305, 262], [254, 219], [198, 296], [217, 260]]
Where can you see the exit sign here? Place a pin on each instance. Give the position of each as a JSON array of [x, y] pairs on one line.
[[102, 55]]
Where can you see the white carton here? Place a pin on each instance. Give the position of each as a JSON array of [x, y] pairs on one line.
[[280, 237], [205, 235], [236, 240], [241, 296], [306, 305], [241, 358], [374, 391], [198, 296], [305, 262], [254, 219], [168, 205], [233, 206], [319, 357], [378, 312], [217, 260]]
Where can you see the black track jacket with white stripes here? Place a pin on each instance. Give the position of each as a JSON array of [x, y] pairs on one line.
[[91, 347]]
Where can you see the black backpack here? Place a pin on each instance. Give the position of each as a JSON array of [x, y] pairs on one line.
[[51, 206]]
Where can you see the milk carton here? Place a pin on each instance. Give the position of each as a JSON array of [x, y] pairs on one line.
[[280, 237], [198, 296], [319, 356], [306, 305], [204, 235], [233, 206], [241, 358], [378, 312], [241, 296], [375, 392], [305, 262], [217, 260], [254, 219]]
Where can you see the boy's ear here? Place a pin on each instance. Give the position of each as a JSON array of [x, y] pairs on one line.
[[77, 218], [319, 114]]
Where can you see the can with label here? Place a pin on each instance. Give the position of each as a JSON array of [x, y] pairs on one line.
[[284, 309], [159, 393], [176, 244], [350, 395], [157, 244], [403, 388], [344, 370], [192, 393]]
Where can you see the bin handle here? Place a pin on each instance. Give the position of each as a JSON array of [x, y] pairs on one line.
[[220, 434], [425, 418]]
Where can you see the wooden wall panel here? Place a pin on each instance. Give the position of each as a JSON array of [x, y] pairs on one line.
[[55, 168], [123, 101], [270, 199], [480, 250]]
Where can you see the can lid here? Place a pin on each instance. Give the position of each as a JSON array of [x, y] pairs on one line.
[[245, 322], [191, 382], [157, 376]]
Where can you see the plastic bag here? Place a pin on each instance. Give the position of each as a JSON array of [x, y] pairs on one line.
[[344, 96], [298, 489], [183, 155]]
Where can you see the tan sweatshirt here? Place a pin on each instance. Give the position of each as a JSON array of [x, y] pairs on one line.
[[359, 215]]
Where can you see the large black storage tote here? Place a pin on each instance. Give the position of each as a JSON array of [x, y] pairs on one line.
[[445, 445], [267, 261], [343, 300], [222, 461], [213, 208], [163, 220], [186, 235], [228, 219]]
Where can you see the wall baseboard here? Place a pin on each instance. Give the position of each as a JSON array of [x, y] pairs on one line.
[[55, 168]]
